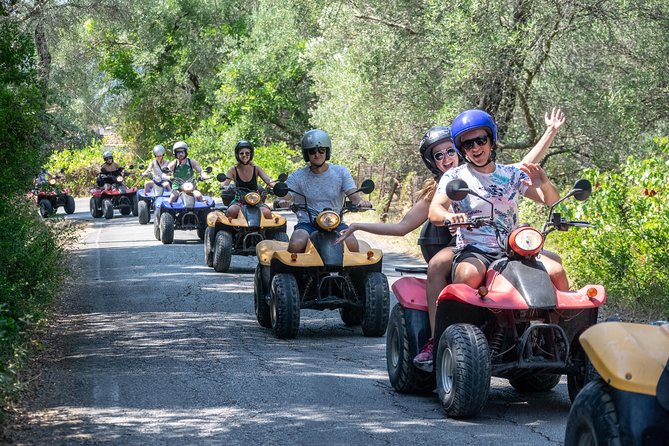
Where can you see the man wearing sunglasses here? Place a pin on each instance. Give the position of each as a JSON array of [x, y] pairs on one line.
[[324, 185], [474, 133]]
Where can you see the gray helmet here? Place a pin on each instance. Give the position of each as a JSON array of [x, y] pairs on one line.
[[314, 139], [158, 150], [180, 145], [107, 154]]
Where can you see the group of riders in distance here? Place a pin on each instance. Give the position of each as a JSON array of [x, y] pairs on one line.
[[494, 302]]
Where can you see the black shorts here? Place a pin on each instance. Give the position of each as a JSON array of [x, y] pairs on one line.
[[470, 251]]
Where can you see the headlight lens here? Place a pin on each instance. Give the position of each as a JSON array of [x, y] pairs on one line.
[[52, 181], [328, 220], [526, 241], [187, 187], [119, 179], [252, 198]]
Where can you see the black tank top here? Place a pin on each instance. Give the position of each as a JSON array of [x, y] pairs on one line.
[[433, 239], [252, 184]]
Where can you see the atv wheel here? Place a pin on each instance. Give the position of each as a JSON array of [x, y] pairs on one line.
[[351, 316], [259, 300], [96, 211], [377, 304], [209, 240], [586, 371], [143, 212], [593, 419], [156, 225], [285, 306], [281, 237], [125, 209], [403, 375], [45, 208], [69, 205], [135, 206], [200, 232], [222, 251], [167, 228], [462, 370], [107, 209], [537, 382]]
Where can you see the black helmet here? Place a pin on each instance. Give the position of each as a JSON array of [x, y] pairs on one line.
[[243, 144], [314, 139], [432, 137]]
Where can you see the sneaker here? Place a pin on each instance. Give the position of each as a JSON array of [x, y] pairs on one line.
[[423, 360]]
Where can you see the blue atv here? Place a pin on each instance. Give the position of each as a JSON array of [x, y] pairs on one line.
[[187, 213], [145, 202]]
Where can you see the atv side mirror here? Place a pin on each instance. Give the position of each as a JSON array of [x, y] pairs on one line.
[[141, 167], [581, 190], [208, 169], [280, 189], [457, 189], [130, 167], [221, 177], [367, 187], [282, 177]]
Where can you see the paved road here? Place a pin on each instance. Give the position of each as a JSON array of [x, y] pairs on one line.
[[158, 349]]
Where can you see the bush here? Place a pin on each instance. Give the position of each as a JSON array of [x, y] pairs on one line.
[[628, 251]]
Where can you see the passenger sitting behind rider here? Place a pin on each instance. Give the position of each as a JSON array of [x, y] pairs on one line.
[[474, 133], [108, 168], [245, 168], [324, 186], [183, 169], [155, 169]]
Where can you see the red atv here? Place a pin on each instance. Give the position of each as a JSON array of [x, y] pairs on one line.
[[516, 326], [49, 196], [112, 193]]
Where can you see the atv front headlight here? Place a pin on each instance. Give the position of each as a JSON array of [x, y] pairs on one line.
[[328, 220], [526, 241], [187, 186], [252, 198], [52, 181], [119, 179]]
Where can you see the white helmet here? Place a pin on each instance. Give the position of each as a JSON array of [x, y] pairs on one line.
[[180, 145], [158, 150], [107, 154]]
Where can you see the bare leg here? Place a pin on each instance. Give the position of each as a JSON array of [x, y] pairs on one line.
[[438, 271], [266, 212], [233, 211], [352, 244], [298, 241], [553, 264]]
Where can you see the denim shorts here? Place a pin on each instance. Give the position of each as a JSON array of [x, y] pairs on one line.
[[311, 228]]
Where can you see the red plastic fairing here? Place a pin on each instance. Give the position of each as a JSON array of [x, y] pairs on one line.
[[567, 300], [501, 294], [410, 292]]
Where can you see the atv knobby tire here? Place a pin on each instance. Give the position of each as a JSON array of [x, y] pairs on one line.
[[143, 212], [351, 316], [96, 212], [538, 382], [222, 251], [166, 228], [135, 206], [462, 370], [45, 208], [209, 240], [285, 306], [593, 419], [260, 304], [377, 305], [403, 375], [107, 208], [156, 225], [69, 205]]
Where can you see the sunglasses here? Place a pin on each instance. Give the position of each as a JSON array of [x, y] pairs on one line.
[[319, 150], [109, 158], [444, 153], [479, 141], [179, 151], [244, 153]]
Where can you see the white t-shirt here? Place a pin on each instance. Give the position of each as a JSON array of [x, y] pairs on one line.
[[502, 187], [323, 190]]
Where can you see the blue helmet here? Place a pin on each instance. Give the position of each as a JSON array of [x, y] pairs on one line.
[[470, 120], [432, 137]]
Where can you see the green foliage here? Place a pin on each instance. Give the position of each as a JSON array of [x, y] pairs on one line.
[[628, 251]]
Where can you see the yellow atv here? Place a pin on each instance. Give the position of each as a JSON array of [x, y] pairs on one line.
[[327, 276], [628, 403]]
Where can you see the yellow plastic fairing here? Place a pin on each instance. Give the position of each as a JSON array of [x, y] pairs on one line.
[[241, 222], [630, 357], [214, 217], [365, 255]]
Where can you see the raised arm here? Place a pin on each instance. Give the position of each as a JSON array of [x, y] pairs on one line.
[[554, 122]]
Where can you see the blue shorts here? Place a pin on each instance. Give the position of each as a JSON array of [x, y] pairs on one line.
[[311, 228]]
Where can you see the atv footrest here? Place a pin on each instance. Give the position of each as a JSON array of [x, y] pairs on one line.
[[327, 303]]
